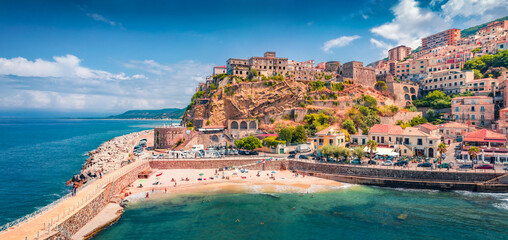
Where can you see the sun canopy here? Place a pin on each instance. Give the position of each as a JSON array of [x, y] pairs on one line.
[[383, 151]]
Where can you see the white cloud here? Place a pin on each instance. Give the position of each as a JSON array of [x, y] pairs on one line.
[[410, 24], [100, 18], [468, 8], [65, 85], [380, 44], [338, 42]]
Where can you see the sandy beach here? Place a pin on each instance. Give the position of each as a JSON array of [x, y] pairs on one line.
[[253, 181]]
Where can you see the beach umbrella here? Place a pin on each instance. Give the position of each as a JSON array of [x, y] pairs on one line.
[[273, 172], [201, 174], [142, 180]]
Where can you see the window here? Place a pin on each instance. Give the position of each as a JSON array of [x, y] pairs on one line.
[[330, 141], [321, 142], [472, 109], [473, 117], [456, 109], [382, 139], [406, 140], [419, 142], [482, 109], [457, 117], [430, 141]]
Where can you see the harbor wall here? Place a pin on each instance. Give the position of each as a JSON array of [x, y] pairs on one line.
[[207, 163], [81, 217]]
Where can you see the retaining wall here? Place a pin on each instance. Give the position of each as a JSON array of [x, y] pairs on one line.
[[392, 173], [79, 219]]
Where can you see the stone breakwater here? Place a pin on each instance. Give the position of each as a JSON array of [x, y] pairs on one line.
[[109, 156]]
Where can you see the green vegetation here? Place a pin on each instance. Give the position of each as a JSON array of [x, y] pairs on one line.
[[316, 85], [413, 122], [336, 151], [371, 146], [364, 114], [436, 99], [293, 134], [349, 126], [358, 152], [151, 114], [486, 63], [388, 110], [248, 143], [272, 142], [316, 122]]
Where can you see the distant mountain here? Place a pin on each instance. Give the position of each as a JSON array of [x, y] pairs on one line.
[[151, 114], [472, 30]]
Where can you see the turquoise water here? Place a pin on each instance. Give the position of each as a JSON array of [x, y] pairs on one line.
[[358, 212], [39, 155]]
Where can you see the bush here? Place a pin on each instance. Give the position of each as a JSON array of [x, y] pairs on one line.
[[248, 143]]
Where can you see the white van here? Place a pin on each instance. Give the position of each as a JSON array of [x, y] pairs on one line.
[[303, 148], [198, 147]]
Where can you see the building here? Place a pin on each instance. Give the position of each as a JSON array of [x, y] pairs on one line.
[[474, 110], [410, 141], [492, 146], [359, 74], [451, 81], [238, 128], [398, 53], [238, 67], [268, 65], [448, 37], [169, 136], [502, 123], [483, 86], [329, 136], [455, 130], [219, 70]]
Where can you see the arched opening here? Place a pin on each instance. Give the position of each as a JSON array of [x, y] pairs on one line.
[[252, 125], [234, 125], [405, 89], [243, 125], [413, 90], [431, 152], [413, 97], [407, 97], [214, 138]]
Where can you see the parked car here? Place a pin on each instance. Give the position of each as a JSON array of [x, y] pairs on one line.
[[292, 152], [445, 165], [304, 157], [253, 153], [505, 168], [291, 156], [484, 166], [387, 163], [426, 164], [242, 152], [356, 162], [400, 163], [466, 166], [372, 162]]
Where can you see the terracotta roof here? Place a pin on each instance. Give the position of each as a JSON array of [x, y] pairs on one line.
[[428, 126], [412, 131], [223, 66], [454, 125], [484, 135], [385, 128], [473, 97], [213, 126], [327, 130]]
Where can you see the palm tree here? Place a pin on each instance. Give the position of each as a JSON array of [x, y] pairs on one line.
[[473, 152], [371, 146], [441, 148]]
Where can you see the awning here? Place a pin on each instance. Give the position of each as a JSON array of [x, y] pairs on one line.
[[383, 151]]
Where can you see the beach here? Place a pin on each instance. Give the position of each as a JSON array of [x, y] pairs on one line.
[[186, 181]]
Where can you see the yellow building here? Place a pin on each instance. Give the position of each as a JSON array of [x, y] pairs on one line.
[[329, 136]]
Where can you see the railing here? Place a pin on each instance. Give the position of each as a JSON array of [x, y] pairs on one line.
[[53, 224]]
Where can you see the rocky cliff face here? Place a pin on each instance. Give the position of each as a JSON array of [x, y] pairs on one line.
[[272, 100]]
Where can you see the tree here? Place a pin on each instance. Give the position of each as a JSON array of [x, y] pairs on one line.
[[441, 148], [371, 146], [359, 153], [349, 125], [299, 136], [473, 153], [326, 150], [248, 143], [286, 134], [477, 74], [272, 142]]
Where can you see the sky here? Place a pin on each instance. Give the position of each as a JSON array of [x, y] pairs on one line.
[[105, 57]]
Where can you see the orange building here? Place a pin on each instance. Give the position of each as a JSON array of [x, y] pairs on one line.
[[448, 37]]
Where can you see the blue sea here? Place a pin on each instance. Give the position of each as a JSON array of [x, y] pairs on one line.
[[358, 212], [38, 156]]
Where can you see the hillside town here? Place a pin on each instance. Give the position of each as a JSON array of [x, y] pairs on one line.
[[444, 101]]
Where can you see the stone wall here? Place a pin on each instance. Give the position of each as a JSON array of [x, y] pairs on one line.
[[404, 116], [79, 219], [392, 173]]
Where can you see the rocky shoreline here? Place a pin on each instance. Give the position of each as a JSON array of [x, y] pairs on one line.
[[108, 157]]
